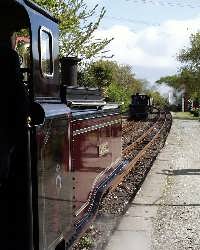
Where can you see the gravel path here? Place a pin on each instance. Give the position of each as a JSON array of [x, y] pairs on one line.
[[165, 214], [177, 226]]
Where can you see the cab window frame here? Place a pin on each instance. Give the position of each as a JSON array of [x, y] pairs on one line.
[[44, 30]]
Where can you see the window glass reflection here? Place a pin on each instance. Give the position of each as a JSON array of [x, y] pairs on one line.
[[46, 53]]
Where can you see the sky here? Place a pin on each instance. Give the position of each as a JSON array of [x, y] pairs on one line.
[[148, 34]]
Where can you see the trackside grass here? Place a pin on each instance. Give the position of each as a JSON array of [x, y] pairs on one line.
[[184, 116]]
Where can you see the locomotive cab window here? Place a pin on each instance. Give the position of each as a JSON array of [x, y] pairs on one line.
[[23, 50], [46, 51]]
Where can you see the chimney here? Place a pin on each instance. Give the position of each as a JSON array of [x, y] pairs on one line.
[[69, 70]]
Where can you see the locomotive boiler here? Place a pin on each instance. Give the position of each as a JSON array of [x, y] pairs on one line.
[[73, 150]]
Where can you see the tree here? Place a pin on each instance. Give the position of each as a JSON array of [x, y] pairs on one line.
[[76, 28], [99, 74], [186, 81], [191, 56], [117, 93], [190, 72], [157, 99], [173, 81], [104, 72], [116, 81]]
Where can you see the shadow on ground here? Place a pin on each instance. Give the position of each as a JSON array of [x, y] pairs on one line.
[[180, 172]]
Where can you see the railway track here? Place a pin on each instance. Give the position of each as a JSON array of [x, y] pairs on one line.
[[132, 130], [136, 147], [135, 150]]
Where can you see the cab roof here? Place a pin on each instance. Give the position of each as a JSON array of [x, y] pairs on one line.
[[30, 4]]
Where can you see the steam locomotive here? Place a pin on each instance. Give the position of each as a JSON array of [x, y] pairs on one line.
[[73, 150], [140, 107]]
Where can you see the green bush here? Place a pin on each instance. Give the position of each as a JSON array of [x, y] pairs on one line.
[[196, 112], [86, 242], [119, 94]]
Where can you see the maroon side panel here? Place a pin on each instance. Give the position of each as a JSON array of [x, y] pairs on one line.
[[55, 182]]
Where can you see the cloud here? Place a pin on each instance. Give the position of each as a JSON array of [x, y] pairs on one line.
[[153, 49]]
